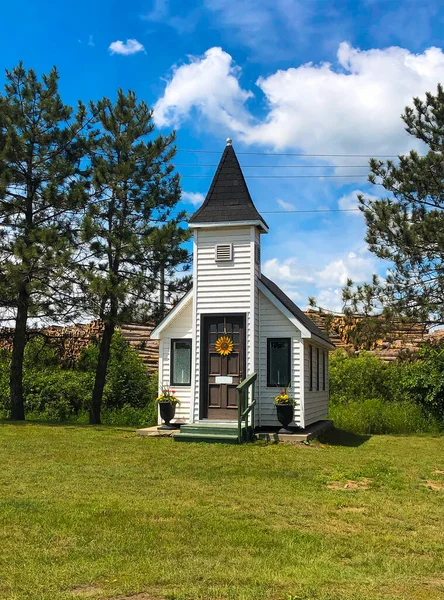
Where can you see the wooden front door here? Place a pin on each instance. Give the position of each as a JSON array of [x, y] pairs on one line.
[[223, 373]]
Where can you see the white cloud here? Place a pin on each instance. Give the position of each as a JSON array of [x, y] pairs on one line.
[[209, 84], [350, 201], [352, 267], [130, 47], [330, 299], [353, 106], [289, 270], [195, 198], [285, 205], [324, 280]]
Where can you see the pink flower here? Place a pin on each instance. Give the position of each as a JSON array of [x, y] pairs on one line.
[[173, 391]]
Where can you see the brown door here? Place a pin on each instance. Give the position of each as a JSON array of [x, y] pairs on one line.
[[223, 372]]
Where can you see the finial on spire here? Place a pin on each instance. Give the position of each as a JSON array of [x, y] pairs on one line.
[[229, 141]]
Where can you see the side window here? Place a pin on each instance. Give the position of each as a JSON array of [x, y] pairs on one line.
[[180, 362], [278, 362], [324, 361], [317, 369], [310, 366]]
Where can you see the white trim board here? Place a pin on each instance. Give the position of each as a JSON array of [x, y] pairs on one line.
[[174, 312]]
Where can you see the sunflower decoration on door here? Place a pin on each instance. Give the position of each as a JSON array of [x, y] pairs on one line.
[[224, 345]]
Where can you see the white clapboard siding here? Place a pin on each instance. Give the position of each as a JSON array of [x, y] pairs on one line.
[[316, 400], [180, 328], [222, 287], [273, 324]]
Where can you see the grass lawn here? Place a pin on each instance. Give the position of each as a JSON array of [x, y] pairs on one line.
[[100, 513]]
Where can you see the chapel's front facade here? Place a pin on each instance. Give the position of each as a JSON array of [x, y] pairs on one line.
[[232, 303]]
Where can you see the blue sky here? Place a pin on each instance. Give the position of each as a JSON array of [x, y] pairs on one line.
[[278, 76]]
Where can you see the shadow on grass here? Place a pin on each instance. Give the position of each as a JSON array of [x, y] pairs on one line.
[[340, 437]]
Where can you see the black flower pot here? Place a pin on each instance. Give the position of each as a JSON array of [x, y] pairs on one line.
[[167, 412], [285, 415]]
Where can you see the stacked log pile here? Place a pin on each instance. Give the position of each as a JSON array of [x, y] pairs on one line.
[[403, 337], [138, 337], [70, 341]]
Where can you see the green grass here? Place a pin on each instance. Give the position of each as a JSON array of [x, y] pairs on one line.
[[100, 513]]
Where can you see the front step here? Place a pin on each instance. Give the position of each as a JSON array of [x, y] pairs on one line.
[[223, 433]]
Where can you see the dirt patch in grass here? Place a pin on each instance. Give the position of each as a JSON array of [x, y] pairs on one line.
[[351, 484], [438, 472], [352, 509], [437, 486], [142, 596], [434, 582], [85, 591]]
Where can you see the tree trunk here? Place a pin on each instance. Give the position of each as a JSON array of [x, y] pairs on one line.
[[102, 366], [162, 292], [18, 351]]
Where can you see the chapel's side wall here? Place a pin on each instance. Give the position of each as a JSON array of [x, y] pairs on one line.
[[223, 288], [316, 400], [180, 328], [273, 324]]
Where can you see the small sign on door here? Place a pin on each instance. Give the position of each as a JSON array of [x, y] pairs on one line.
[[223, 379]]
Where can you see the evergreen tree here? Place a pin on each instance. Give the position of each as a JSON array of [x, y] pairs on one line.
[[132, 226], [407, 227], [40, 186]]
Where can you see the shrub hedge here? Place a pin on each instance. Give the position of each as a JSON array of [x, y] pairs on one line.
[[53, 393], [368, 395]]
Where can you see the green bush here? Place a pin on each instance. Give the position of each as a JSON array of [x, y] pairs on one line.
[[377, 416], [358, 378], [127, 382], [53, 393]]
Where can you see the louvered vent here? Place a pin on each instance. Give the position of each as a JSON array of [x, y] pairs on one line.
[[224, 252], [257, 254]]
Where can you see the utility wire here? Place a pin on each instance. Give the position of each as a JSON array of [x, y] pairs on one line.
[[317, 210], [278, 176], [289, 154], [278, 166]]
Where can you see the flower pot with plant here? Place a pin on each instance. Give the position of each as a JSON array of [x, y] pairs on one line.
[[167, 402], [284, 409]]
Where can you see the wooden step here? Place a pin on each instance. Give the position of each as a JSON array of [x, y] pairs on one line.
[[224, 433], [206, 437]]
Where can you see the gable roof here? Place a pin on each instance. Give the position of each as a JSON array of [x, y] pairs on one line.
[[171, 315], [228, 199], [295, 310]]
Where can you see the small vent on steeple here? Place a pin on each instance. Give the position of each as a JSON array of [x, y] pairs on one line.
[[224, 252], [257, 253]]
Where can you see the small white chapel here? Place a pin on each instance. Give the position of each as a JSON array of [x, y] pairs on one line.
[[235, 324]]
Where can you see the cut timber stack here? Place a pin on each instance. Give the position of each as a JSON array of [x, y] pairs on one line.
[[138, 337], [403, 337], [69, 341]]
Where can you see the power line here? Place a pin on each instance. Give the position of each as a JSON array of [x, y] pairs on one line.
[[278, 176], [279, 166], [290, 154], [318, 210]]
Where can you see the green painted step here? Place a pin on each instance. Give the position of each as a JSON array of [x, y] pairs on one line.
[[210, 432], [199, 437]]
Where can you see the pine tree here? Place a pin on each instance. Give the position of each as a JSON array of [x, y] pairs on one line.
[[41, 185], [132, 226], [407, 227]]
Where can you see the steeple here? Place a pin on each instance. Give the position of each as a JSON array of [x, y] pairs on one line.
[[228, 199]]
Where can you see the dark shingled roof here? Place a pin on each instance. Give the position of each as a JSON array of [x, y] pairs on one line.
[[228, 198], [295, 310]]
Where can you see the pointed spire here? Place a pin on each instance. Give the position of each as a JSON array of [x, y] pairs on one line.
[[228, 199]]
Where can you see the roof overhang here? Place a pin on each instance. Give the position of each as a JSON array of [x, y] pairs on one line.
[[174, 312], [253, 223], [305, 333]]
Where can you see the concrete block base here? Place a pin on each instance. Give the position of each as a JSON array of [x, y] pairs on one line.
[[312, 432]]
